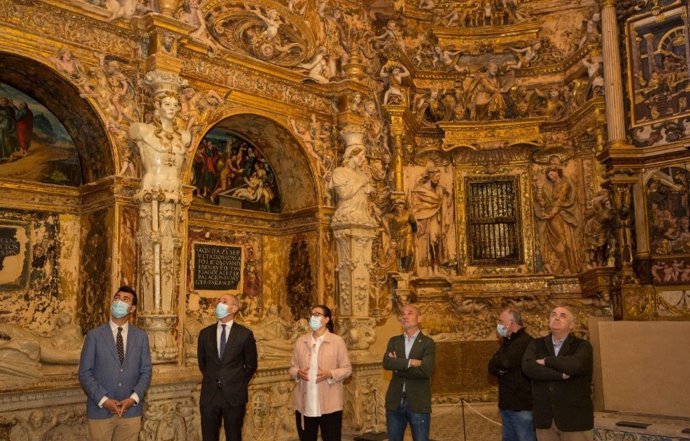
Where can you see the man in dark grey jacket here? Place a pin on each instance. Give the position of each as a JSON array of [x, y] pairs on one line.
[[514, 390], [560, 367]]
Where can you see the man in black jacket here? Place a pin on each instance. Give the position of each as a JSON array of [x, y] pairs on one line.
[[514, 391], [560, 367], [227, 359]]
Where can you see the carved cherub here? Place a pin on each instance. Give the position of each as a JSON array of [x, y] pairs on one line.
[[526, 55], [394, 72], [272, 20]]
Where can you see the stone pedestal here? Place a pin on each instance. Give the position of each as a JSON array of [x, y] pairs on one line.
[[354, 260]]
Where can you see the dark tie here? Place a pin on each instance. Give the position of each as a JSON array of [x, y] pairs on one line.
[[223, 341], [120, 343]]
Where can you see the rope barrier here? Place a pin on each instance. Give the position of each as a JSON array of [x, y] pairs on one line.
[[462, 401]]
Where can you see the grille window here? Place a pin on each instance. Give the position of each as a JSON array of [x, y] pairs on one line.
[[493, 220]]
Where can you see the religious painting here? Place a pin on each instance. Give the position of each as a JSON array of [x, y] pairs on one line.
[[668, 211], [34, 145], [668, 217], [231, 171], [658, 67]]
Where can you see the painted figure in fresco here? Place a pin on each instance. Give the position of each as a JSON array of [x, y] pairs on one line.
[[228, 171], [556, 208], [352, 187], [162, 146], [8, 124], [402, 226], [209, 157], [431, 206], [25, 127]]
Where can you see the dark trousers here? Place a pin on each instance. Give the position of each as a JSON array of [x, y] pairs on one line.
[[331, 425], [219, 410]]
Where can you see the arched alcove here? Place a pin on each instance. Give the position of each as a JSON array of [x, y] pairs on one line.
[[293, 175], [64, 101]]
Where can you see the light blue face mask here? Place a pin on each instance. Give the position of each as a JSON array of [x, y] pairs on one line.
[[315, 322], [119, 309], [222, 310], [502, 330]]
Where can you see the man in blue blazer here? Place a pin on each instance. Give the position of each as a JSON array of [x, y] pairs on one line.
[[227, 359], [115, 372], [411, 357]]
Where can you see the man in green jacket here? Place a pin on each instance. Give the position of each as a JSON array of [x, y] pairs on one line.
[[411, 358]]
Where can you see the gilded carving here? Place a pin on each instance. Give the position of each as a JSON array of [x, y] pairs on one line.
[[260, 30], [658, 71]]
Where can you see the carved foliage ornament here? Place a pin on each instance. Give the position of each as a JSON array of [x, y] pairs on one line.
[[264, 31]]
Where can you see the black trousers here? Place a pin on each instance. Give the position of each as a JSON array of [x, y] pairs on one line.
[[331, 425], [220, 410]]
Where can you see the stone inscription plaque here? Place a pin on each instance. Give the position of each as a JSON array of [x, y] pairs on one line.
[[217, 267]]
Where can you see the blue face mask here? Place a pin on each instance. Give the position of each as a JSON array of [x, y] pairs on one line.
[[119, 309], [222, 310], [315, 322], [502, 330]]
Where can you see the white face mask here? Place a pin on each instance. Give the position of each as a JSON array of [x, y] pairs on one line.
[[502, 330], [315, 322], [119, 309], [222, 310]]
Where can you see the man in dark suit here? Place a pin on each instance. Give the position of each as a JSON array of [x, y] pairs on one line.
[[115, 372], [227, 359], [560, 367], [411, 358]]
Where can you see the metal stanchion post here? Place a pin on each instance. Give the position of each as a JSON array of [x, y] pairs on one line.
[[464, 431]]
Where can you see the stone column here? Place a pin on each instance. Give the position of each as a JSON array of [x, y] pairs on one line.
[[162, 211], [613, 86], [354, 230]]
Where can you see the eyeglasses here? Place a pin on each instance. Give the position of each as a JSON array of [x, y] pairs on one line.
[[317, 314]]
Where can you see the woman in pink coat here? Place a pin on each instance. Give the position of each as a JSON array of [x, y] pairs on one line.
[[319, 364]]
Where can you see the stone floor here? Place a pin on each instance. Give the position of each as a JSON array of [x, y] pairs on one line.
[[482, 423]]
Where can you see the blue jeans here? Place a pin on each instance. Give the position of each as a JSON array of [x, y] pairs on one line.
[[397, 420], [517, 425]]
